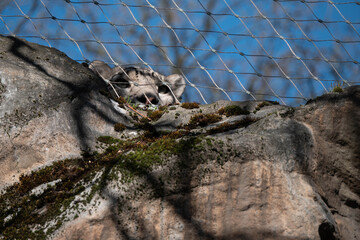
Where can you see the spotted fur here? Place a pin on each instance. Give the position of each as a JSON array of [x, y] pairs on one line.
[[141, 86]]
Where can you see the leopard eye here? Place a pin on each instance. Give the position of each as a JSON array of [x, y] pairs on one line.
[[163, 89], [119, 81]]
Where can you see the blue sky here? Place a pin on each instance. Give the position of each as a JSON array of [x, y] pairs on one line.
[[286, 51]]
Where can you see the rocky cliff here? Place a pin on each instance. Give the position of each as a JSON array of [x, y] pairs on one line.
[[74, 165]]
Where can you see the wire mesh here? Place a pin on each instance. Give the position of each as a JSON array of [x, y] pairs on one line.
[[281, 50]]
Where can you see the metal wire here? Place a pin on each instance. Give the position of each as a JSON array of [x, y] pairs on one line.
[[223, 49]]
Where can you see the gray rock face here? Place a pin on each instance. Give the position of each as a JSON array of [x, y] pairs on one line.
[[334, 121], [275, 173], [50, 108]]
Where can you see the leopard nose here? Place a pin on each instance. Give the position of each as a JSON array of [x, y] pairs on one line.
[[148, 99]]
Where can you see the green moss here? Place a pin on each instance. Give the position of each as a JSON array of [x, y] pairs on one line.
[[262, 104], [120, 100], [119, 127], [190, 105], [150, 131], [203, 120], [224, 127], [177, 115], [232, 110], [155, 115], [107, 139], [163, 108], [209, 142], [23, 206], [134, 116], [177, 134], [337, 89]]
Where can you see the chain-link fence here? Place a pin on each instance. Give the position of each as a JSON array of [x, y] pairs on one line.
[[282, 50]]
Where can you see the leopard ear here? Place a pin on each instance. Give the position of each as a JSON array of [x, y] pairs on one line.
[[177, 84], [102, 69]]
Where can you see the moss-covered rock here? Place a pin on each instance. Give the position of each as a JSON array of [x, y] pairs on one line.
[[190, 105], [232, 110]]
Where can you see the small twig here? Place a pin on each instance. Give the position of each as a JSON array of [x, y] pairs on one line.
[[148, 100], [129, 106]]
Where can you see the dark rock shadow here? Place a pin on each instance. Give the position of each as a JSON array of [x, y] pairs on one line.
[[180, 200], [82, 94]]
